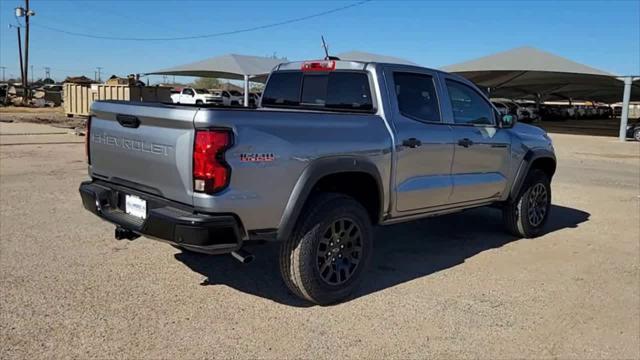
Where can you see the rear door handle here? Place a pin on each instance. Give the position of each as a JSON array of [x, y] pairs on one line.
[[412, 142], [128, 121], [466, 142]]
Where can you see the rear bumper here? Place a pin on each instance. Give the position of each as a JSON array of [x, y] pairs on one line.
[[166, 221]]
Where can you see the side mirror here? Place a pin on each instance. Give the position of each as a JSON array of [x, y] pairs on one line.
[[507, 121]]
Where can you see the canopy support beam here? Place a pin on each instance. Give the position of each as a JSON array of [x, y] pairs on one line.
[[624, 117], [246, 91]]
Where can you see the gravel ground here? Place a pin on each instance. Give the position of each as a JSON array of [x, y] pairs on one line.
[[454, 286]]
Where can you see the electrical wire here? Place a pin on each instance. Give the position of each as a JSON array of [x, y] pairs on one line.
[[203, 36]]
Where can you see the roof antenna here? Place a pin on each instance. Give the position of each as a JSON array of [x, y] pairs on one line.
[[326, 50]]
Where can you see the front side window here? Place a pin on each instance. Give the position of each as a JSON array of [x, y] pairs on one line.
[[417, 96], [187, 92], [468, 106]]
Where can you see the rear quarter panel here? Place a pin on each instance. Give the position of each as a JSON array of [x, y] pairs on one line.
[[272, 149]]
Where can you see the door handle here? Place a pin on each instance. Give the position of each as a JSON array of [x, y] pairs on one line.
[[466, 142], [128, 121], [412, 142]]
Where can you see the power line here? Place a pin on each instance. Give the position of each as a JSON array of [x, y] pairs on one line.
[[254, 28]]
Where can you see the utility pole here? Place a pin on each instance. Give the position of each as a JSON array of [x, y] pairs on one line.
[[26, 13], [3, 68], [32, 74], [26, 41], [99, 70]]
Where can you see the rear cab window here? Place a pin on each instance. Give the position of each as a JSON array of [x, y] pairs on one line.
[[338, 90]]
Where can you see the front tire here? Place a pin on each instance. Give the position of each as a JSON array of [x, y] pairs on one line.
[[526, 215], [329, 250]]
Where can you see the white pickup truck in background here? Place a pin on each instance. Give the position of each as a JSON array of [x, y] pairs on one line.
[[193, 96]]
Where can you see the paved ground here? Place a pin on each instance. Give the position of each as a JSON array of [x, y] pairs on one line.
[[446, 287]]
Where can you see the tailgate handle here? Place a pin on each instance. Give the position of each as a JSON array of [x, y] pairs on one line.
[[128, 121]]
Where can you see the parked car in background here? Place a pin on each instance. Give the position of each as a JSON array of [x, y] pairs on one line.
[[532, 109], [236, 97], [617, 111], [633, 131], [502, 108], [521, 113], [254, 99], [567, 111], [586, 112], [193, 96], [605, 111], [221, 97], [213, 181]]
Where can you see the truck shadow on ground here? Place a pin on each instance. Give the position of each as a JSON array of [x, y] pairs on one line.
[[402, 253]]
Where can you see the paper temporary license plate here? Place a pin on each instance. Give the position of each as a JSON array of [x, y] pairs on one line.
[[135, 206]]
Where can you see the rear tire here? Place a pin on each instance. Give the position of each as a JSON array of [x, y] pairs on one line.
[[329, 249], [526, 215], [636, 134], [198, 102]]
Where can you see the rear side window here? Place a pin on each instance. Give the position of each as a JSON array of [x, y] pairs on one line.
[[338, 90], [468, 106], [417, 96]]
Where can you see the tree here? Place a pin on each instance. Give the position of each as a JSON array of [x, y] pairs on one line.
[[257, 87], [206, 83]]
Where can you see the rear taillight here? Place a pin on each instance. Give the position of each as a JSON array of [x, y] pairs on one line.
[[87, 140], [210, 171], [327, 65]]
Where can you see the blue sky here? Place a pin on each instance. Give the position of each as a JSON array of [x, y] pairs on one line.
[[602, 34]]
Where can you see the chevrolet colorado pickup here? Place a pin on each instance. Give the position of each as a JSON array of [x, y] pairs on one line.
[[335, 148]]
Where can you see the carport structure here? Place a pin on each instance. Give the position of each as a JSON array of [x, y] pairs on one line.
[[529, 73], [230, 66]]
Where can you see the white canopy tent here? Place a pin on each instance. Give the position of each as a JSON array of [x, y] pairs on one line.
[[230, 66], [528, 72]]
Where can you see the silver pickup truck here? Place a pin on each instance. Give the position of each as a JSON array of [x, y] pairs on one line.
[[335, 148]]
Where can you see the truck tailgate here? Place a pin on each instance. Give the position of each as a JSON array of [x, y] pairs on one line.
[[144, 146]]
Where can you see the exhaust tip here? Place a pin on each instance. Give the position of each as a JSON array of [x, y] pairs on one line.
[[243, 256]]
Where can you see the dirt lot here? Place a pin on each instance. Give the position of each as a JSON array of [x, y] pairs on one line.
[[52, 116], [454, 286]]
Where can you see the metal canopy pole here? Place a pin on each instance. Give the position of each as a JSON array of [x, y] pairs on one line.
[[624, 117], [246, 91]]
